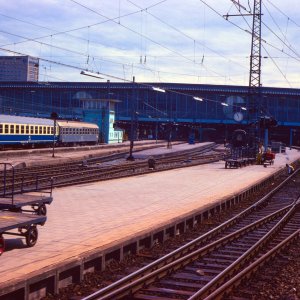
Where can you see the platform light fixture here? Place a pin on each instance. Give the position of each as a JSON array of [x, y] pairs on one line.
[[198, 98], [158, 89], [224, 104], [243, 108], [87, 73]]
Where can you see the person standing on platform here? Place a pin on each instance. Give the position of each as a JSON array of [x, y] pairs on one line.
[[261, 150], [290, 169]]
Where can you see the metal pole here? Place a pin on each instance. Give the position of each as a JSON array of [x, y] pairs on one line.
[[156, 130], [13, 185], [291, 138], [54, 116], [54, 129], [130, 157], [266, 139], [4, 181]]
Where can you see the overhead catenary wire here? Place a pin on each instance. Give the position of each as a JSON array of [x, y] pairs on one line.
[[250, 32], [293, 21], [150, 86], [195, 42], [276, 65], [67, 32], [247, 31], [144, 36], [93, 57], [88, 56], [160, 69]]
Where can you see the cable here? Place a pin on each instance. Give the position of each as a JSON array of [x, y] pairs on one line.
[[247, 31], [184, 34], [101, 59], [142, 35], [277, 67], [150, 86], [251, 33], [283, 13], [66, 32]]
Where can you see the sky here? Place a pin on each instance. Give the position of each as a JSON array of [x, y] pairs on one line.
[[153, 40]]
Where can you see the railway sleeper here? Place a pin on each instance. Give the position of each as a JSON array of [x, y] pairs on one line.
[[163, 291], [189, 276], [203, 271], [149, 297], [210, 266], [232, 252], [216, 260], [186, 284], [235, 247], [228, 257]]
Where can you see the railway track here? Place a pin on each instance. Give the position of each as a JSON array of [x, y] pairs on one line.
[[102, 168], [214, 263]]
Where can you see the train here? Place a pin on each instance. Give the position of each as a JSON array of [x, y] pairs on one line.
[[16, 131]]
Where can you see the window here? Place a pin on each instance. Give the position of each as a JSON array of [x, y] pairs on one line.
[[44, 130], [31, 130], [48, 130], [40, 130], [22, 129], [52, 129], [1, 128], [12, 129], [6, 128], [27, 129], [17, 128]]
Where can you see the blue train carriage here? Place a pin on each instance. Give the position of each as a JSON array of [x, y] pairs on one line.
[[77, 133], [25, 131]]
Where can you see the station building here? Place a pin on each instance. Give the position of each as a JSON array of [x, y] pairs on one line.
[[172, 111], [19, 68]]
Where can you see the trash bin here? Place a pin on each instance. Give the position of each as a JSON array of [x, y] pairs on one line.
[[151, 163], [192, 139]]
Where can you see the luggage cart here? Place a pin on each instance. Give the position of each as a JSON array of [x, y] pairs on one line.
[[18, 224], [14, 201], [236, 159], [268, 158]]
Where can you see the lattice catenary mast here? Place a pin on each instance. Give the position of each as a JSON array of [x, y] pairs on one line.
[[255, 62]]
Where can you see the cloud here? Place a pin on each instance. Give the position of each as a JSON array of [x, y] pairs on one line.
[[180, 41]]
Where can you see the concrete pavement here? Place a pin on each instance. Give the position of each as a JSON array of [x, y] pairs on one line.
[[98, 215]]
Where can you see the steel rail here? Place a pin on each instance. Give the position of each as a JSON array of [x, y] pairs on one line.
[[178, 253], [242, 260], [253, 267], [131, 285], [79, 174]]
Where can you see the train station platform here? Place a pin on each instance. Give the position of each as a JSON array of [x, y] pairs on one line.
[[85, 220], [44, 156]]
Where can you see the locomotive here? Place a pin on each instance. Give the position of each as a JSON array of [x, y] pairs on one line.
[[28, 131]]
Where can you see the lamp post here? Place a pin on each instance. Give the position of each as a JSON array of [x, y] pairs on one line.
[[156, 130], [54, 117], [130, 157], [292, 132], [169, 135]]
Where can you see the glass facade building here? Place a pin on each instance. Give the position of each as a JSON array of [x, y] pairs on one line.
[[19, 68], [221, 109]]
